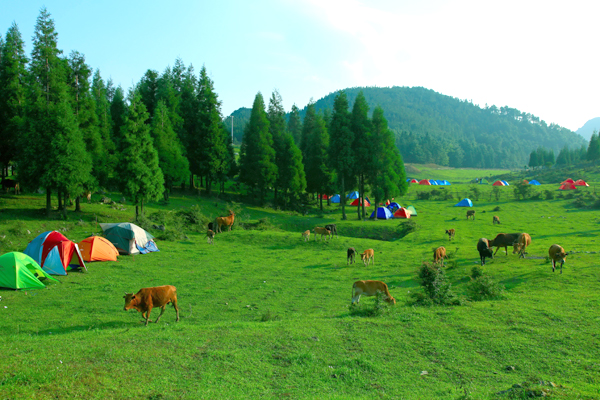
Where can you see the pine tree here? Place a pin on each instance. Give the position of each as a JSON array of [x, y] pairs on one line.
[[291, 175], [99, 93], [593, 152], [277, 128], [316, 141], [294, 126], [138, 171], [118, 114], [361, 127], [148, 90], [187, 84]]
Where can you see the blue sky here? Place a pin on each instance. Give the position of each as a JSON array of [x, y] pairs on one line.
[[540, 57]]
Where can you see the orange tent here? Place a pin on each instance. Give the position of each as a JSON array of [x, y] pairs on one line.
[[97, 248], [356, 202], [402, 213], [581, 182], [567, 186]]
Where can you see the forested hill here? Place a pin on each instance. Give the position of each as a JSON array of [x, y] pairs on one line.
[[434, 128]]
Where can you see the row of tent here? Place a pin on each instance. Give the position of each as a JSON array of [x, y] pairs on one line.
[[429, 182], [51, 253], [394, 210], [570, 184]]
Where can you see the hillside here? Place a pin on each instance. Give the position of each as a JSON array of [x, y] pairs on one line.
[[434, 128], [593, 125]]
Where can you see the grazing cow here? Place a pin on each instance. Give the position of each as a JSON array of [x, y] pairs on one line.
[[439, 254], [496, 220], [557, 253], [322, 231], [351, 255], [450, 233], [227, 221], [146, 298], [367, 256], [520, 245], [333, 229], [210, 235], [471, 214], [504, 240], [306, 235], [483, 246], [370, 288], [8, 184]]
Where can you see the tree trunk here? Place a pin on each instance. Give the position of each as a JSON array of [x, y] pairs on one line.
[[60, 203], [78, 204], [136, 212], [362, 195], [142, 207], [48, 201], [321, 201], [343, 199]]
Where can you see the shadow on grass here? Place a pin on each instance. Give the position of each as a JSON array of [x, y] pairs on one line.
[[82, 328], [317, 266]]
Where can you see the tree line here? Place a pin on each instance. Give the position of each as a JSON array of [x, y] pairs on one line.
[[542, 157]]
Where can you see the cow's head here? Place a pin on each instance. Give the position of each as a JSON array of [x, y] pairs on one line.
[[561, 256], [231, 212], [129, 300], [488, 253], [516, 247], [391, 300]]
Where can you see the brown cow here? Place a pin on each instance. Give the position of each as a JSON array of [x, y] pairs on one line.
[[439, 254], [520, 245], [471, 213], [557, 253], [146, 298], [306, 236], [496, 220], [210, 236], [504, 240], [351, 255], [8, 184], [227, 221], [370, 288], [367, 256], [322, 231], [450, 233], [483, 246]]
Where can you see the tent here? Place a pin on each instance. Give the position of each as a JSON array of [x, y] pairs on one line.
[[19, 271], [464, 203], [323, 196], [446, 183], [534, 182], [335, 198], [382, 213], [393, 206], [432, 182], [498, 183], [525, 182], [568, 181], [581, 182], [127, 238], [366, 201], [413, 211], [402, 213], [353, 195], [439, 182], [424, 182], [505, 183], [97, 248], [53, 252], [483, 182], [567, 186], [414, 181]]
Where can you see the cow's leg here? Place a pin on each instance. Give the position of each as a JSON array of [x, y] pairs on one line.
[[561, 264], [174, 301], [505, 250], [148, 314], [162, 310], [553, 265], [497, 248]]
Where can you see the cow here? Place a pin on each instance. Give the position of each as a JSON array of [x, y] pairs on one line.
[[147, 298], [351, 255], [495, 220], [504, 240], [210, 236], [450, 233], [8, 184], [88, 196], [333, 229], [322, 231], [483, 246], [471, 214], [370, 288], [306, 236], [439, 254], [367, 256], [557, 253], [520, 245], [227, 221]]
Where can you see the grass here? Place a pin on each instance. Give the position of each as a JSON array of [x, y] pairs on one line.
[[265, 314]]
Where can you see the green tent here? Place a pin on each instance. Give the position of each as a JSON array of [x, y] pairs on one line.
[[19, 271], [413, 211]]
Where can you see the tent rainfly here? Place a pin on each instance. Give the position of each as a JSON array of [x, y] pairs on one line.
[[424, 182], [353, 195], [581, 182], [356, 202], [464, 203], [413, 211], [393, 206], [129, 238], [414, 181], [335, 198], [567, 186], [534, 182], [569, 180], [53, 252], [97, 248], [402, 213], [382, 213], [19, 271], [498, 183], [505, 182]]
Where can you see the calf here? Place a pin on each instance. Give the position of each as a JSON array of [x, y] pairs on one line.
[[146, 298], [471, 214], [496, 220], [370, 288], [557, 253], [504, 240], [322, 231], [306, 235], [351, 255], [483, 246], [520, 245], [450, 233], [367, 256], [332, 228], [439, 254], [210, 236]]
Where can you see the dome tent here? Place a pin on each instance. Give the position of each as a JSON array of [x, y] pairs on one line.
[[413, 211], [505, 182], [424, 182], [534, 182], [498, 183], [464, 203], [402, 213], [353, 195], [356, 202], [97, 248], [567, 186], [53, 252], [393, 206], [19, 271], [129, 238], [336, 198], [414, 181], [382, 213], [581, 182]]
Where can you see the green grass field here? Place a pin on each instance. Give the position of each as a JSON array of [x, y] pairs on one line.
[[267, 315]]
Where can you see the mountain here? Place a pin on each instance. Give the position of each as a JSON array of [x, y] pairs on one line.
[[434, 128], [593, 125]]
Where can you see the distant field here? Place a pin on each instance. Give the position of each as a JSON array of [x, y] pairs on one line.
[[266, 315], [454, 175]]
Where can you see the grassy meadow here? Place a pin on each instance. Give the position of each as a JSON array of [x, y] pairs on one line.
[[265, 314]]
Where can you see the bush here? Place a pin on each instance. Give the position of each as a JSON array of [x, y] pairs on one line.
[[405, 227], [476, 272], [380, 307], [436, 289], [423, 195], [549, 194], [484, 287]]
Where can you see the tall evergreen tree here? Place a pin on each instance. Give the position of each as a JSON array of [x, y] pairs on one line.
[[118, 114], [291, 174], [99, 94], [294, 126], [186, 82], [138, 171], [148, 89], [361, 127], [316, 139], [593, 152], [277, 128]]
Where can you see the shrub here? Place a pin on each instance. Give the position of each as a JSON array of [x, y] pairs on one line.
[[436, 289], [423, 195], [484, 287], [549, 194], [380, 307], [475, 193], [476, 272], [405, 227]]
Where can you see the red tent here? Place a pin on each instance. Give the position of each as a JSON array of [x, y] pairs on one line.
[[402, 213], [498, 183], [356, 202], [414, 181], [581, 182], [568, 181], [425, 182], [324, 196], [567, 186]]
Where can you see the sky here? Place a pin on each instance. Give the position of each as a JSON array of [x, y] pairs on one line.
[[540, 57]]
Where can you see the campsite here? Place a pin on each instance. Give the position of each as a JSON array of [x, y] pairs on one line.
[[265, 314]]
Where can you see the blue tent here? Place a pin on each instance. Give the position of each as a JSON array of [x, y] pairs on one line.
[[534, 182], [464, 203], [506, 183], [446, 182], [433, 182], [353, 195], [382, 213], [335, 199], [393, 206]]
